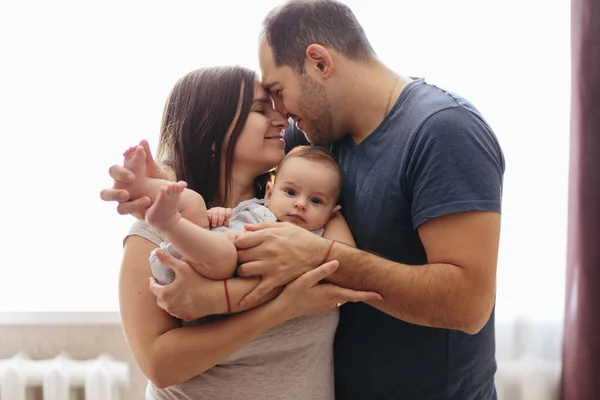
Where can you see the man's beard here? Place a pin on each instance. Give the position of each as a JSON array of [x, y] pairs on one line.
[[316, 111]]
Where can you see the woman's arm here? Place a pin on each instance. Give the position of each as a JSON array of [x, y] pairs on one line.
[[191, 296], [166, 352], [337, 229], [169, 354]]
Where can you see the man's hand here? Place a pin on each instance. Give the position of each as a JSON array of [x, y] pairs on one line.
[[278, 252]]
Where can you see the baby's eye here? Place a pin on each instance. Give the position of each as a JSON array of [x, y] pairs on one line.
[[316, 201], [290, 192], [276, 93]]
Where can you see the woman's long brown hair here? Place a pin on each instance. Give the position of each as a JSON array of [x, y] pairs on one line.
[[197, 116]]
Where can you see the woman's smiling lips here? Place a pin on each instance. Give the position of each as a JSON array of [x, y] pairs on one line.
[[275, 137]]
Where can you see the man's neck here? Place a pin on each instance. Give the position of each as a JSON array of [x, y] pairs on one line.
[[370, 88]]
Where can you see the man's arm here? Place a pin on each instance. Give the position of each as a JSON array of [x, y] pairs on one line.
[[454, 291], [453, 174]]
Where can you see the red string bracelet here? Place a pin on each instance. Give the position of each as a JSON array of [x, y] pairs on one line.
[[328, 251], [227, 296]]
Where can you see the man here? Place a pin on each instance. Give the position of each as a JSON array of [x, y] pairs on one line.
[[422, 195]]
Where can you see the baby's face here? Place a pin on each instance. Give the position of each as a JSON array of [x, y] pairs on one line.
[[305, 193]]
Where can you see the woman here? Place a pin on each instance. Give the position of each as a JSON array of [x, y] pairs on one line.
[[221, 134]]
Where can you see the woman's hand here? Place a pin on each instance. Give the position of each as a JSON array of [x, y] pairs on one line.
[[306, 296], [135, 207], [190, 296]]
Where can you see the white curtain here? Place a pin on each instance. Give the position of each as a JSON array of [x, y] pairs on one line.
[[81, 81]]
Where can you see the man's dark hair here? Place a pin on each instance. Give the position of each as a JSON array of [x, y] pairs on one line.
[[290, 28]]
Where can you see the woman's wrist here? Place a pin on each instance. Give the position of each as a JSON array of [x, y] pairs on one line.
[[279, 310], [210, 300]]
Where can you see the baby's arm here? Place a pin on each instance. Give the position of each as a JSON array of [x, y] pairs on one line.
[[337, 229], [219, 216]]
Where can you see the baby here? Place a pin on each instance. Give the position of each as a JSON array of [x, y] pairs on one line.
[[304, 192]]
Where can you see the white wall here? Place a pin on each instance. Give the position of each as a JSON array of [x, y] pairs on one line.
[[81, 81]]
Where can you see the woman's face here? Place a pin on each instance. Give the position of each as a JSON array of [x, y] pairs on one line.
[[260, 145]]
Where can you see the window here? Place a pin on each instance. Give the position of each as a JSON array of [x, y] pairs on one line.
[[83, 81]]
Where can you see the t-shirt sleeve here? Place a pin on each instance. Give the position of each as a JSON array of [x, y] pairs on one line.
[[455, 165], [145, 230]]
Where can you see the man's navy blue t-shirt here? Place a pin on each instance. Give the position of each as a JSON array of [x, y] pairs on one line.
[[431, 156]]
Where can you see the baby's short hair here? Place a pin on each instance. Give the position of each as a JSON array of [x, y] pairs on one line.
[[316, 154]]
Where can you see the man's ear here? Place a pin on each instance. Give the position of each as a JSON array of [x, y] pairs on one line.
[[319, 60], [268, 193]]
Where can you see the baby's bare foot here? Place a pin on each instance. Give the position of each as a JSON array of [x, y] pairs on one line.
[[165, 210], [135, 161]]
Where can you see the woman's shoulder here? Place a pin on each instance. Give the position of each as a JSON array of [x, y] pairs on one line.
[[145, 230]]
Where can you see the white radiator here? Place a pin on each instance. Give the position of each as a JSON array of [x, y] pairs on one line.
[[101, 378], [529, 378], [529, 356]]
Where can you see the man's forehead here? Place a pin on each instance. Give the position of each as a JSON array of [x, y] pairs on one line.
[[267, 64]]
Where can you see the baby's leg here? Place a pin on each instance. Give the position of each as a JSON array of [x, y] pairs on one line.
[[135, 161], [212, 254], [163, 274], [135, 158]]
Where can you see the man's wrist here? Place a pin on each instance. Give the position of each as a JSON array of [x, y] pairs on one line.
[[319, 252]]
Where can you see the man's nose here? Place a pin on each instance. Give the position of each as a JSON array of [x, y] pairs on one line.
[[280, 107]]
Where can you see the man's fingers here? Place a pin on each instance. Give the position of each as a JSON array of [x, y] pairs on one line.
[[121, 174], [250, 269], [260, 291], [261, 225], [114, 195], [248, 241], [342, 295], [311, 278]]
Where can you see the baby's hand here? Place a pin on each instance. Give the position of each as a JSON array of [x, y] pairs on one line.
[[219, 216]]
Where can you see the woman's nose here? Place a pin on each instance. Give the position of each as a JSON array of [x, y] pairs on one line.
[[280, 121]]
